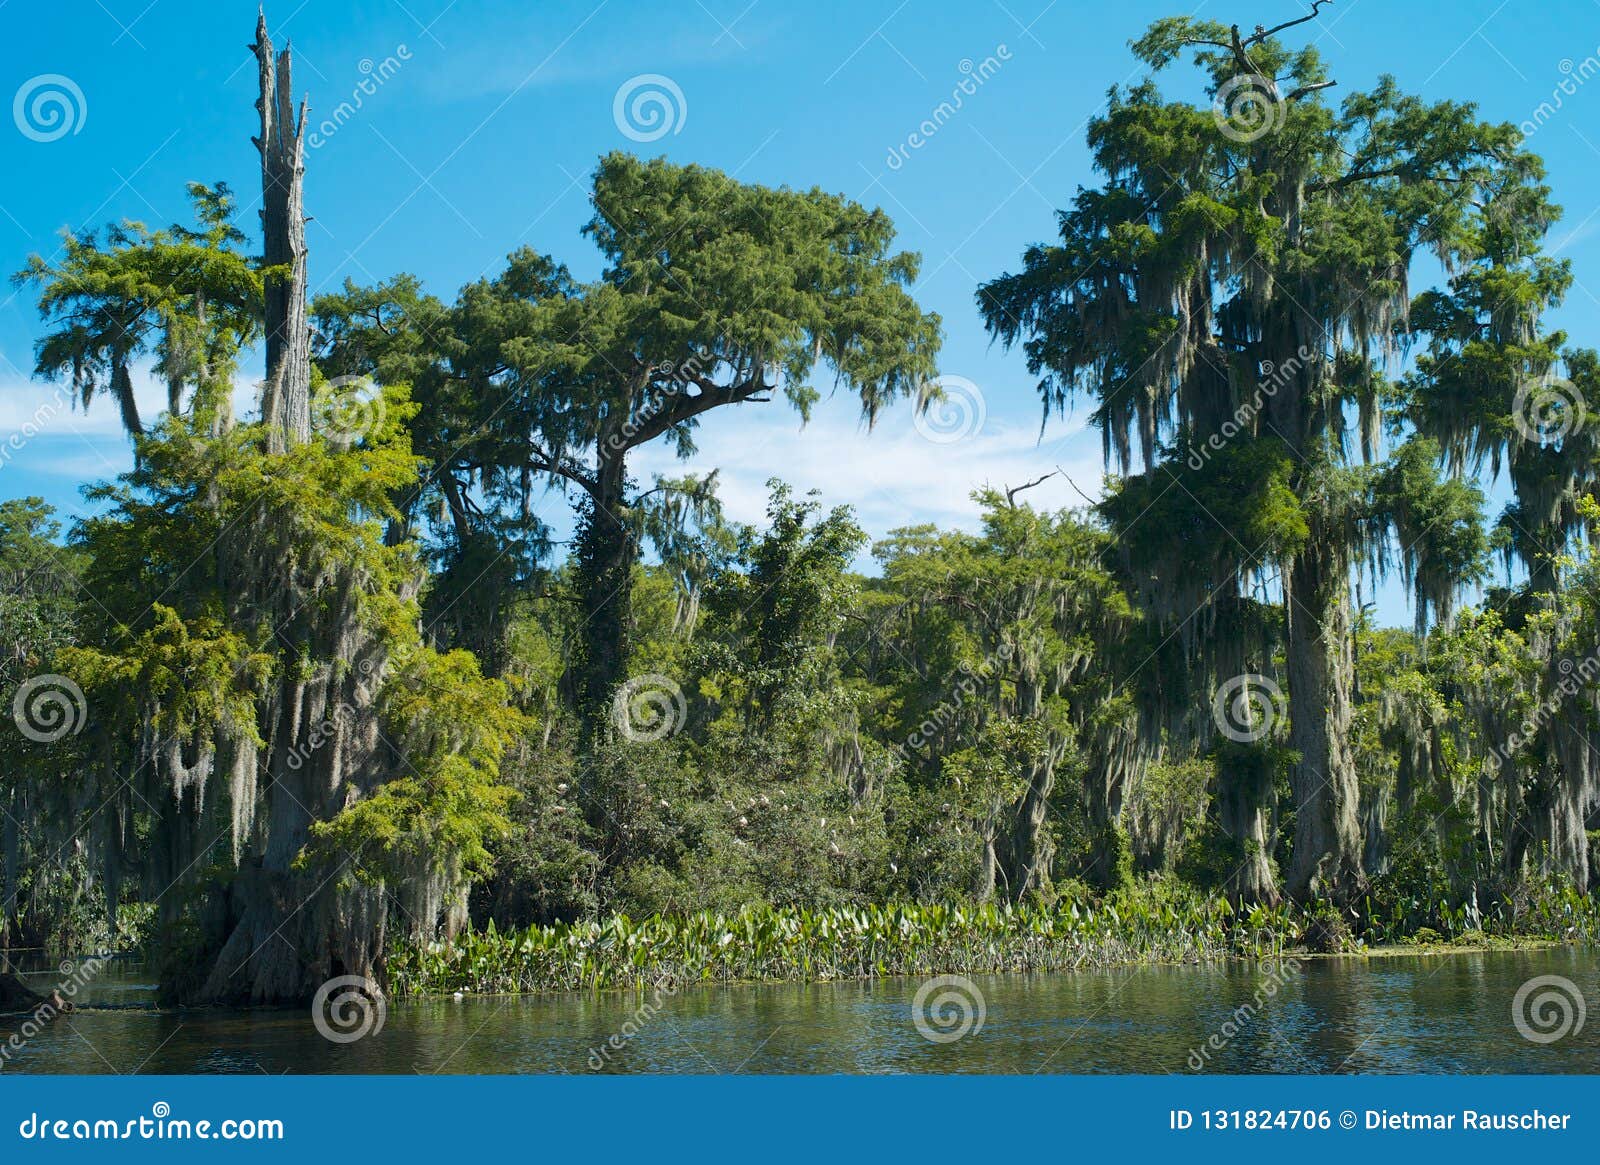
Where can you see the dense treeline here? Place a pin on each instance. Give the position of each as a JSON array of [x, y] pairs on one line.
[[331, 688]]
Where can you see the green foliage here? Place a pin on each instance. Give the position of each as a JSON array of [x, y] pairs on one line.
[[757, 942], [967, 761], [175, 678], [1438, 523], [1245, 491], [449, 728], [186, 296], [777, 606], [1167, 807], [1325, 931], [38, 589], [714, 293]]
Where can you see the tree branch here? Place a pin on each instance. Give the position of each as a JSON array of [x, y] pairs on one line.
[[1356, 176], [1074, 485], [1306, 89], [1012, 492], [686, 408], [1262, 34], [543, 462]]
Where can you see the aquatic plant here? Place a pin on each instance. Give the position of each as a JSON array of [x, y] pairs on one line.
[[850, 942]]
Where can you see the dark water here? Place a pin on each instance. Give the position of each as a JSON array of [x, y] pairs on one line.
[[1425, 1013]]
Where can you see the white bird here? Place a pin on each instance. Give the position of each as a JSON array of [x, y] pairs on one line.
[[458, 996]]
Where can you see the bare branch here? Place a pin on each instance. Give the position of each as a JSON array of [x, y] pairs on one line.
[[1305, 89], [1074, 485], [1262, 34], [1011, 494]]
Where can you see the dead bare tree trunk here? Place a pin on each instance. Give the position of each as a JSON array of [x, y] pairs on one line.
[[277, 930], [286, 398]]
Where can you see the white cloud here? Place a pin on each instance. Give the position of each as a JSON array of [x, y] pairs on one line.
[[43, 435], [893, 476], [50, 408]]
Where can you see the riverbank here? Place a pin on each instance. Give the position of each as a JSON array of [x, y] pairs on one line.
[[1465, 945], [1149, 926]]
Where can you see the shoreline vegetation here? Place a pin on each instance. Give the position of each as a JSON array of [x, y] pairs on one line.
[[1146, 926]]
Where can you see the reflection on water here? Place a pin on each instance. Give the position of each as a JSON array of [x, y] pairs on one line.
[[1428, 1013]]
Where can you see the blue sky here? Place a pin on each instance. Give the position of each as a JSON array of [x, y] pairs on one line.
[[490, 116]]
